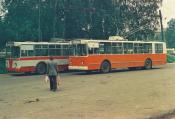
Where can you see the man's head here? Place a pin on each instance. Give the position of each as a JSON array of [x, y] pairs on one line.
[[51, 58]]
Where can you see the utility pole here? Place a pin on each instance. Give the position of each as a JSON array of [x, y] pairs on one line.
[[161, 24], [39, 21], [55, 18]]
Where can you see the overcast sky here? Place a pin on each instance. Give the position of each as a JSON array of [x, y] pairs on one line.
[[168, 10]]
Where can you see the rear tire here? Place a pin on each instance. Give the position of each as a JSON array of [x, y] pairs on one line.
[[105, 67], [148, 64], [41, 68]]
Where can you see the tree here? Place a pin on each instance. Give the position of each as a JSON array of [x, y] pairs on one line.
[[140, 13], [44, 19], [19, 19], [170, 34]]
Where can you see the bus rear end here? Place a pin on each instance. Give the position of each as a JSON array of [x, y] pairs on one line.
[[12, 57]]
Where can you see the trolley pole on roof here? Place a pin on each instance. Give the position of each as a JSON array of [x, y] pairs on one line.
[[161, 24]]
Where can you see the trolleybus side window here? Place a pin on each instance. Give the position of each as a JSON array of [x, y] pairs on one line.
[[37, 46], [41, 50], [23, 53], [158, 48], [58, 50], [101, 48], [52, 50], [117, 48], [128, 48], [44, 46], [26, 53], [65, 50], [147, 48], [31, 53], [105, 48], [72, 49], [81, 50], [108, 48], [93, 50], [78, 50], [138, 48], [15, 52], [27, 50]]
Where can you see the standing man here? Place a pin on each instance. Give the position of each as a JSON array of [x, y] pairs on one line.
[[52, 73]]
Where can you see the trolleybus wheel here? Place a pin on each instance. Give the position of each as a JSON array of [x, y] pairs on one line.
[[41, 68], [148, 64], [105, 67]]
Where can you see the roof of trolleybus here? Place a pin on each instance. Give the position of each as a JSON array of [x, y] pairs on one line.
[[35, 43], [18, 45], [85, 41], [90, 43]]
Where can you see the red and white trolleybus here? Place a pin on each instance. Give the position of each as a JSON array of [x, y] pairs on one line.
[[105, 55], [32, 56]]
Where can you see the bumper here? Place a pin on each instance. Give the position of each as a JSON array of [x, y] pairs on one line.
[[78, 68], [11, 69]]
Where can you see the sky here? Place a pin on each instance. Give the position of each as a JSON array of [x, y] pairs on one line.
[[168, 10]]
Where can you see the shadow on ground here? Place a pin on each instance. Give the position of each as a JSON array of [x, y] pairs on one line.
[[36, 74], [76, 72], [113, 71], [23, 74]]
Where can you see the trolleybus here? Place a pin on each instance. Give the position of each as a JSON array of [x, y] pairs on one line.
[[32, 56], [105, 55]]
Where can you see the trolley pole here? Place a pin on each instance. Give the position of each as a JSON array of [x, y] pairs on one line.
[[161, 24]]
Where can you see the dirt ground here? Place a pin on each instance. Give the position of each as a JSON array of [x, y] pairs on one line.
[[122, 94]]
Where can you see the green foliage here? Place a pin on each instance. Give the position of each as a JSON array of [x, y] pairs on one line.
[[77, 19], [170, 34], [2, 66]]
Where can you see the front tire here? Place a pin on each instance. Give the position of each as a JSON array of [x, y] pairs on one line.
[[148, 64], [41, 68], [105, 67]]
